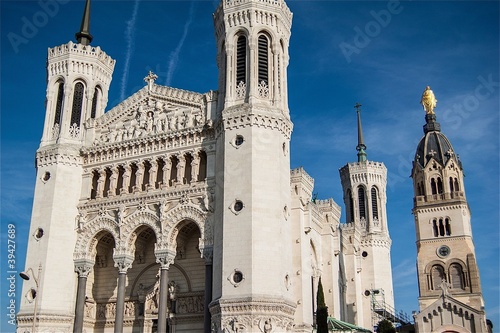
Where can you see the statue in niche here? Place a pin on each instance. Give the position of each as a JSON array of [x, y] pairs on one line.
[[188, 119], [150, 122]]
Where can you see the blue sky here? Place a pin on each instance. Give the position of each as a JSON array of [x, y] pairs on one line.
[[378, 53]]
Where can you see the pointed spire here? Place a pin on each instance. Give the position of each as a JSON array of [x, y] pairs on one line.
[[83, 36], [361, 143]]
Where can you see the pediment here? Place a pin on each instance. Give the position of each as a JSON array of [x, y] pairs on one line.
[[149, 112]]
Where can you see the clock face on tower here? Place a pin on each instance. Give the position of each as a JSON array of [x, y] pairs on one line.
[[443, 251]]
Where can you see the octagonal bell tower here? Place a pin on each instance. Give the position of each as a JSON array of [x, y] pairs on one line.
[[78, 79], [252, 233]]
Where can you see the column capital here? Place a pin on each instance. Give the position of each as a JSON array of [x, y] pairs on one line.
[[123, 262], [83, 267], [165, 257], [208, 254]]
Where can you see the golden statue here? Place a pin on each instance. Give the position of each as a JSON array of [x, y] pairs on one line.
[[428, 100]]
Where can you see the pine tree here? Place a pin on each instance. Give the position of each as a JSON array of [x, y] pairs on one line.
[[385, 326], [321, 311]]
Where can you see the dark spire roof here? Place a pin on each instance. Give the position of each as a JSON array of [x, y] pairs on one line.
[[83, 36], [361, 143], [434, 144]]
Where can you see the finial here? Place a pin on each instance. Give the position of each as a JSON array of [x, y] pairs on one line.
[[428, 100], [83, 36], [361, 143], [150, 79]]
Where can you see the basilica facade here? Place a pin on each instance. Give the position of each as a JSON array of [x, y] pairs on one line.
[[177, 211]]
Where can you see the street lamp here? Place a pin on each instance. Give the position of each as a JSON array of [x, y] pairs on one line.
[[25, 276]]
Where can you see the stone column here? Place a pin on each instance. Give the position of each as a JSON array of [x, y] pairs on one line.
[[83, 269], [123, 262], [166, 171], [152, 174], [181, 166], [126, 179], [208, 255], [165, 258]]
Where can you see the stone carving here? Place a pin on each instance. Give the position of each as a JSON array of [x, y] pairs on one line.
[[190, 304], [89, 310], [129, 309], [74, 131], [151, 117], [241, 89]]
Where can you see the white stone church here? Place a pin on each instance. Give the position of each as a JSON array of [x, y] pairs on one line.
[[177, 211]]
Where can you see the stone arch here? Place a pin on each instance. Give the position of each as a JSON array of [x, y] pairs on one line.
[[177, 218], [87, 241], [134, 222]]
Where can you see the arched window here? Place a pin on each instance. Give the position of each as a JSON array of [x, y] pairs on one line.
[[440, 185], [456, 276], [241, 60], [351, 207], [437, 276], [263, 44], [441, 227], [457, 188], [451, 184], [95, 99], [374, 203], [435, 228], [447, 227], [433, 186], [361, 199], [59, 103], [76, 111]]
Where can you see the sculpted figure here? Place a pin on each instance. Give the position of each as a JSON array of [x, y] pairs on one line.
[[428, 100]]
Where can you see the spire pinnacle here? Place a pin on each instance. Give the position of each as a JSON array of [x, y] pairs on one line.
[[361, 143], [83, 36]]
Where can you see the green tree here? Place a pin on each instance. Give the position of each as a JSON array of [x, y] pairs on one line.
[[385, 326], [321, 311]]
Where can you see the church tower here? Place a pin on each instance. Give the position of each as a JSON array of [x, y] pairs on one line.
[[78, 78], [365, 238], [252, 240], [448, 276]]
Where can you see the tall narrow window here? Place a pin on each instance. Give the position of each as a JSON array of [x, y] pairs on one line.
[[76, 111], [447, 227], [94, 103], [435, 227], [241, 60], [263, 60], [456, 276], [433, 186], [457, 188], [351, 207], [441, 227], [451, 184], [374, 203], [361, 199], [59, 104], [440, 186], [437, 276]]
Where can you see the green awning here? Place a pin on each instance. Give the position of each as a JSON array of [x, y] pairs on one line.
[[335, 325]]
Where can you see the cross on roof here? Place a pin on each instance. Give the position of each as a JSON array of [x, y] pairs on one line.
[[150, 79], [432, 152], [357, 107]]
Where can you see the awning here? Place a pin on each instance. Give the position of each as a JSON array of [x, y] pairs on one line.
[[335, 325]]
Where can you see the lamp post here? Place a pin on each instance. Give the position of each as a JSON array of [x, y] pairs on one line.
[[25, 276]]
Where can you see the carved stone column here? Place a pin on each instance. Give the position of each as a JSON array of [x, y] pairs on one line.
[[208, 255], [123, 262], [126, 179], [165, 258], [139, 176], [195, 166], [100, 183], [166, 171], [83, 269], [152, 174], [181, 166]]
